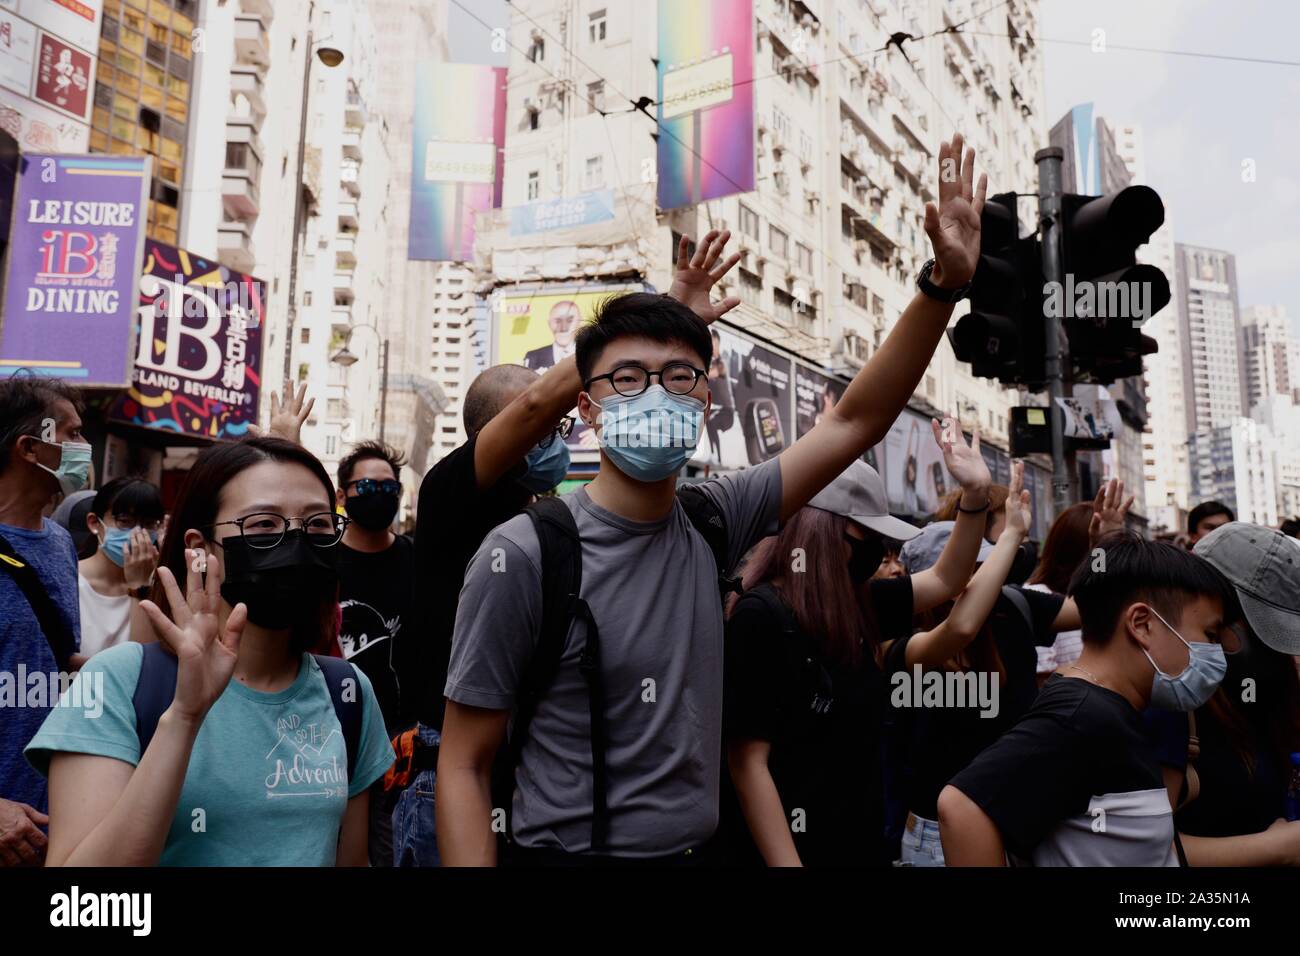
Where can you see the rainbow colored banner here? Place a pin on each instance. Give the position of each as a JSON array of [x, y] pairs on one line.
[[706, 100], [456, 162]]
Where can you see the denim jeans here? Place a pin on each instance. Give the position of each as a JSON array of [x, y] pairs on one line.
[[921, 846], [415, 841]]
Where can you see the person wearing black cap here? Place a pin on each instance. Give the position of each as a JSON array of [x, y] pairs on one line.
[[1229, 786], [803, 690]]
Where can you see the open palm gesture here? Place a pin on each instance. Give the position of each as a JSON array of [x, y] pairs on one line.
[[954, 225], [964, 461], [1109, 510], [694, 277], [1020, 515], [205, 650], [287, 417]]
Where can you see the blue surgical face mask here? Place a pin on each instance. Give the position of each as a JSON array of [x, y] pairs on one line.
[[547, 466], [114, 544], [1187, 691], [74, 466], [650, 436]]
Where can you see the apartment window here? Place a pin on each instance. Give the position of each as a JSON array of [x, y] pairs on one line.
[[331, 445], [596, 97], [805, 257], [751, 288], [305, 336], [534, 184], [306, 300], [593, 176], [781, 122], [534, 119], [537, 52], [783, 306], [596, 26], [334, 408], [877, 305], [748, 221], [779, 242]]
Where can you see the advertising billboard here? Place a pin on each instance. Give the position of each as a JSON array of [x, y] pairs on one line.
[[750, 420], [74, 262], [456, 167], [590, 207], [537, 329], [199, 360], [48, 53], [706, 100]]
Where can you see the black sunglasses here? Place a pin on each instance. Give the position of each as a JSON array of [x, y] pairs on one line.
[[368, 486]]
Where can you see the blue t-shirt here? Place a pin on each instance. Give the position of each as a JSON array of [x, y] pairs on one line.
[[267, 782], [28, 671]]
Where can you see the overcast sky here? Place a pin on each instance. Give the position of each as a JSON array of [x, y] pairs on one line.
[[1201, 117]]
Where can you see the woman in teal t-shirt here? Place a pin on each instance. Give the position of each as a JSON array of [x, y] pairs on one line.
[[248, 765]]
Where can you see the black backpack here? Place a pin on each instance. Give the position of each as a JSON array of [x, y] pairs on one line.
[[561, 550]]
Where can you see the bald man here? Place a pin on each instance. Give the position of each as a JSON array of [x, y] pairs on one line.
[[563, 322]]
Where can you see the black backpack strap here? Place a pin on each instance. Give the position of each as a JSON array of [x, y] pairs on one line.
[[51, 622], [1017, 600], [154, 690], [156, 687], [707, 519], [348, 711]]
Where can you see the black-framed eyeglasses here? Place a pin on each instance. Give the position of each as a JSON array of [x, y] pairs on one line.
[[562, 431], [677, 378], [368, 486], [266, 529]]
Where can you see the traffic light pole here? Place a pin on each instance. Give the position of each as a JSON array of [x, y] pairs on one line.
[[1057, 360]]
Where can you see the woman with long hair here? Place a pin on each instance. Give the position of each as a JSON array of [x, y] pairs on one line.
[[117, 564], [1066, 546], [250, 762], [803, 686]]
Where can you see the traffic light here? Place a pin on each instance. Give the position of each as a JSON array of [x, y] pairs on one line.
[[1106, 296], [1002, 336]]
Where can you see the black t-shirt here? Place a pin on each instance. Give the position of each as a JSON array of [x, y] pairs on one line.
[[826, 765], [377, 634], [1233, 800], [937, 742], [1075, 782], [453, 518]]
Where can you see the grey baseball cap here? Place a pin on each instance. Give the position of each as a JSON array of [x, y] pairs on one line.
[[1263, 566], [923, 551], [859, 495]]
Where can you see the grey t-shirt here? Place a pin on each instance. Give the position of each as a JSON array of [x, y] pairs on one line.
[[653, 591]]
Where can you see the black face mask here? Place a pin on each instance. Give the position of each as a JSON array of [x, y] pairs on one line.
[[864, 557], [374, 511], [280, 585]]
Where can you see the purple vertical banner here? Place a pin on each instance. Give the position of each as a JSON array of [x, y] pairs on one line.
[[74, 267], [706, 100], [456, 167]]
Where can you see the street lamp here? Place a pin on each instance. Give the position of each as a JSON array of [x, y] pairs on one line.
[[347, 358], [330, 56]]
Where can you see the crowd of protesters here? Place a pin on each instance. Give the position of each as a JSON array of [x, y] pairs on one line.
[[766, 667]]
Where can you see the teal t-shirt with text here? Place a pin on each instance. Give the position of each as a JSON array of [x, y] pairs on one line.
[[267, 783]]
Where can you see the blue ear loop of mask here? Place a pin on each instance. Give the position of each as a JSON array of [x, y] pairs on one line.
[[649, 436], [547, 466], [1206, 667]]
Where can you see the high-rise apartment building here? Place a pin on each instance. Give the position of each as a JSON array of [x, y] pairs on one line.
[[846, 140], [1271, 354], [142, 95], [1210, 336]]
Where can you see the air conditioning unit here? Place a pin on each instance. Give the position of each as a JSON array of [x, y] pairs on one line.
[[778, 143], [810, 22], [812, 195], [786, 64], [861, 183], [782, 181], [805, 163], [532, 105], [861, 247], [536, 35]]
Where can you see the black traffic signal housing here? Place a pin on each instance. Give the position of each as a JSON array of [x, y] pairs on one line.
[[1106, 295], [1002, 336]]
